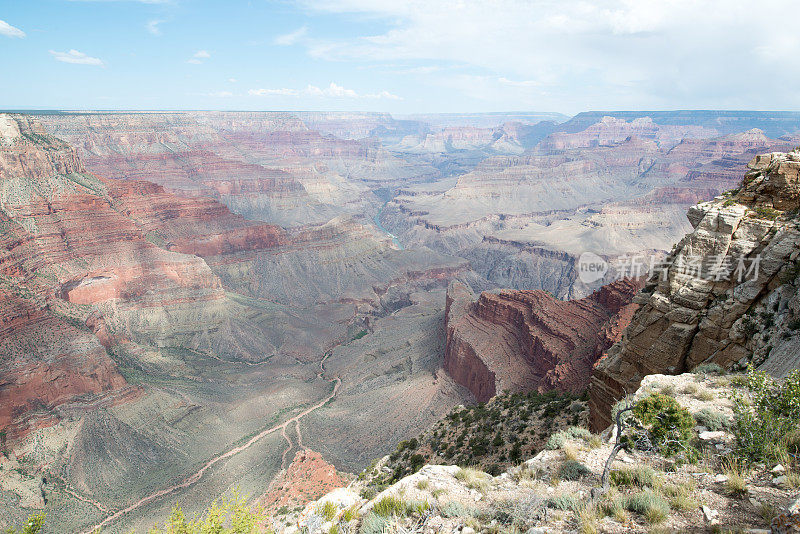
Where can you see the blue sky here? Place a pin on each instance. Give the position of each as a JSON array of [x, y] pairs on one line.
[[401, 57]]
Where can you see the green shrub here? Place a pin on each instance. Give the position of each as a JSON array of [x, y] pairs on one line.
[[410, 444], [572, 470], [372, 524], [389, 506], [712, 419], [563, 502], [456, 509], [577, 432], [765, 213], [519, 513], [350, 514], [473, 478], [639, 477], [769, 409], [646, 503], [557, 440], [33, 525], [736, 484], [750, 327], [670, 425], [681, 496], [233, 511], [329, 511], [708, 369]]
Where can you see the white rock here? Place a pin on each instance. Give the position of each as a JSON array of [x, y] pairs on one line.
[[711, 516], [795, 506], [779, 481], [711, 436], [468, 530], [778, 470], [721, 478]]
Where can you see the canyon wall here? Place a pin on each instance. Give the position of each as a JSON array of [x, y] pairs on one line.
[[727, 294], [526, 340]]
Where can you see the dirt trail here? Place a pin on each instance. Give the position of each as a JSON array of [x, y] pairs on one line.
[[232, 452], [288, 447], [68, 490], [299, 436]]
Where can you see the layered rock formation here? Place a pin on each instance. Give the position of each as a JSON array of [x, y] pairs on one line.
[[612, 188], [726, 295], [88, 264], [265, 166], [525, 340]]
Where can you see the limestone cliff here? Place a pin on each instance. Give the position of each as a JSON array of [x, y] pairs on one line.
[[727, 293], [524, 340]]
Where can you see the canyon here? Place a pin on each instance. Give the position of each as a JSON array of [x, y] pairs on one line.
[[190, 301]]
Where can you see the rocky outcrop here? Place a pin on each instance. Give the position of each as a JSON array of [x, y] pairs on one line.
[[307, 478], [722, 292], [525, 340]]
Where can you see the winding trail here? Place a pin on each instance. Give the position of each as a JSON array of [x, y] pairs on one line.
[[299, 436], [192, 479], [68, 490]]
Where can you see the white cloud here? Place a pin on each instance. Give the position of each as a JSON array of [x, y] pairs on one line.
[[292, 37], [337, 91], [198, 57], [332, 91], [152, 26], [519, 83], [272, 92], [218, 94], [607, 53], [384, 94], [78, 58], [10, 31], [427, 69], [232, 80]]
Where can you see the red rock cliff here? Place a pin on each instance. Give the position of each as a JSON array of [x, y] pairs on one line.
[[524, 340]]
